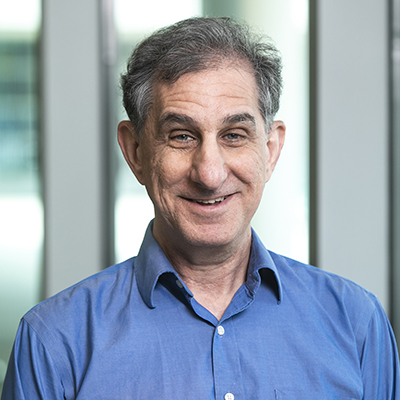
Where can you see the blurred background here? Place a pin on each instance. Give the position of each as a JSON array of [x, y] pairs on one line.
[[69, 206]]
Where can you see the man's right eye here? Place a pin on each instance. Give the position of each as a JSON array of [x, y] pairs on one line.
[[182, 140]]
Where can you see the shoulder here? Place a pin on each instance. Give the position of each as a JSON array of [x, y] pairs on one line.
[[88, 296], [317, 280], [345, 301], [342, 312]]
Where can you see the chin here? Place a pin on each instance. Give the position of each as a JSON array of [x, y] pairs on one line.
[[212, 236]]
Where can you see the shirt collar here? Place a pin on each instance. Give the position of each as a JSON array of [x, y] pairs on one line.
[[151, 263], [262, 267]]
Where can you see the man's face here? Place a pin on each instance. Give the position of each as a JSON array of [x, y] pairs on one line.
[[204, 157]]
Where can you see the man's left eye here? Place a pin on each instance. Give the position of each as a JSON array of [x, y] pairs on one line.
[[235, 139], [182, 137], [233, 136]]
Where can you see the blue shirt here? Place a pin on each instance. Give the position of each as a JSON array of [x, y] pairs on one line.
[[134, 331]]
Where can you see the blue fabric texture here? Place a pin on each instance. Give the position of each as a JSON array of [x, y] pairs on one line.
[[135, 331]]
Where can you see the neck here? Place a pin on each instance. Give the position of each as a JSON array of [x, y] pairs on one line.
[[213, 274]]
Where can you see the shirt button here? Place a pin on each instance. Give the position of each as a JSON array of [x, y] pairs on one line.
[[221, 331], [229, 396], [179, 284]]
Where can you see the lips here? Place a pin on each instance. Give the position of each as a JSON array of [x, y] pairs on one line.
[[211, 201]]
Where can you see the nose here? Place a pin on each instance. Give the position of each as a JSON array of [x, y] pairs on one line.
[[208, 166]]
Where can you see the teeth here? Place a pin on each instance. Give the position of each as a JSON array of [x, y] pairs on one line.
[[218, 200]]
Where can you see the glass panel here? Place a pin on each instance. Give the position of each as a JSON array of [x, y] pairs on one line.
[[21, 212], [395, 146], [134, 20], [282, 219]]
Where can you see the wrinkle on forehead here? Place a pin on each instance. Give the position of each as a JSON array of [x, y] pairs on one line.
[[171, 118], [229, 93], [243, 67]]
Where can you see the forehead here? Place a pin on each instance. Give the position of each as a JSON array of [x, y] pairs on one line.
[[217, 91]]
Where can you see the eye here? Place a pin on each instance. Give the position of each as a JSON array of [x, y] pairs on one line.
[[234, 138], [182, 139]]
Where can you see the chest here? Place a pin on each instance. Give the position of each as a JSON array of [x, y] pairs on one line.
[[264, 352]]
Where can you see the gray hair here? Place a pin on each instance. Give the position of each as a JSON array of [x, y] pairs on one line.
[[194, 45]]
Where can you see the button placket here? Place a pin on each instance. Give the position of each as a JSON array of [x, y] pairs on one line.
[[226, 362]]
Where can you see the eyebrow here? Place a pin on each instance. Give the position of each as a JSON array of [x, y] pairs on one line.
[[176, 118], [244, 117], [186, 120]]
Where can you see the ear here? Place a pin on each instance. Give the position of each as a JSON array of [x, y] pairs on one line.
[[275, 141], [129, 143]]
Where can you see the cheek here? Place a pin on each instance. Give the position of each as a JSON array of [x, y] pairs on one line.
[[167, 172], [251, 168]]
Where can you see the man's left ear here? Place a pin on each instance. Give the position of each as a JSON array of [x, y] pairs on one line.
[[275, 141]]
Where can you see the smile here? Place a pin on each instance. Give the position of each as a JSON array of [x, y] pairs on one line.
[[211, 201]]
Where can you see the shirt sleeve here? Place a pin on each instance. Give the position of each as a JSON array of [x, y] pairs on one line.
[[380, 360], [31, 372]]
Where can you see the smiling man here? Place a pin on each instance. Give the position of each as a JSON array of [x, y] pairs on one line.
[[204, 158], [205, 311]]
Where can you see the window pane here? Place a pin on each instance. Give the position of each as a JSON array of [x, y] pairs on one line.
[[21, 213], [282, 219], [134, 20]]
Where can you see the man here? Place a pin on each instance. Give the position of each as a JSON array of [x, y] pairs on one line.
[[205, 311]]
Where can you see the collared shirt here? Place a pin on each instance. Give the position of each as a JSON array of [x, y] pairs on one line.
[[135, 331]]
